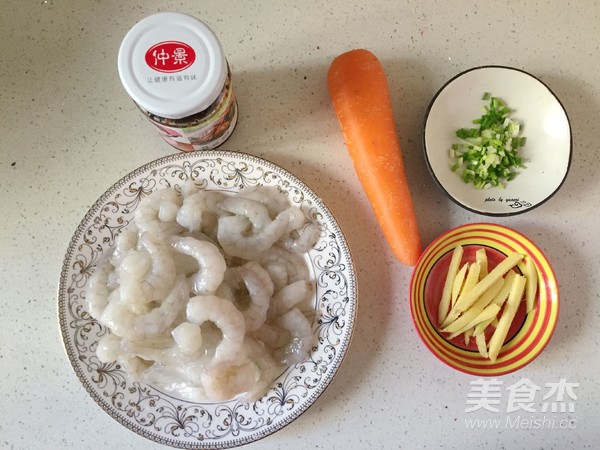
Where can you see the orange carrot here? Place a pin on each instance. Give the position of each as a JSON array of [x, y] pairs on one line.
[[360, 96]]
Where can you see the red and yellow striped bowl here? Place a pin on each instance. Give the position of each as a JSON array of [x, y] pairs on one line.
[[529, 334]]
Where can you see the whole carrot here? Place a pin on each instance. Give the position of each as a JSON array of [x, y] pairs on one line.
[[360, 96]]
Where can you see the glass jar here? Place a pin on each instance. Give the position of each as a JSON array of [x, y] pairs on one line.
[[173, 67]]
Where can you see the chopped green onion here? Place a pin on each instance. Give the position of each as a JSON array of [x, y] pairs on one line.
[[487, 154]]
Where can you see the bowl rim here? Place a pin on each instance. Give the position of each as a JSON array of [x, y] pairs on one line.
[[549, 330], [426, 153]]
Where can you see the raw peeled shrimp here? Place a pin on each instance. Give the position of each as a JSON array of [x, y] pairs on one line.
[[157, 212], [244, 322], [255, 212], [225, 315], [302, 239], [296, 218], [189, 188], [224, 380], [290, 296], [162, 275], [131, 273], [272, 336], [301, 235], [284, 266], [230, 285], [146, 275], [307, 232], [274, 200], [134, 366], [98, 291], [236, 236], [122, 321], [188, 337], [288, 336], [268, 367], [161, 352], [125, 243], [174, 378], [260, 288], [298, 346], [211, 263], [196, 209], [109, 348], [278, 274]]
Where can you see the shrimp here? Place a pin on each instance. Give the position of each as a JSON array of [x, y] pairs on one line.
[[296, 218], [278, 274], [271, 335], [189, 188], [146, 275], [122, 321], [285, 267], [172, 368], [161, 351], [125, 243], [274, 200], [238, 238], [109, 348], [134, 366], [301, 235], [298, 346], [194, 214], [301, 241], [131, 273], [98, 291], [224, 314], [211, 263], [173, 378], [188, 337], [162, 274], [224, 380], [290, 296], [237, 257], [255, 212], [267, 366], [230, 285], [158, 211], [260, 288]]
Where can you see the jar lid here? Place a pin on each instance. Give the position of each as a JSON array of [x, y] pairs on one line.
[[172, 65]]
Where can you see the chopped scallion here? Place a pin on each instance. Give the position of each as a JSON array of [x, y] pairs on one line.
[[487, 154]]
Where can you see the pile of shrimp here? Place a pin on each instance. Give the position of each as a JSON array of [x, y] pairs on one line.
[[207, 295]]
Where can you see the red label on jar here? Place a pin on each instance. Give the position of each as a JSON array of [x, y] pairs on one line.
[[170, 56]]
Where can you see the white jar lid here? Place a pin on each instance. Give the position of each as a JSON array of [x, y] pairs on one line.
[[172, 65]]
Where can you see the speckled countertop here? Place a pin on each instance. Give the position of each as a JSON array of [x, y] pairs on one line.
[[68, 131]]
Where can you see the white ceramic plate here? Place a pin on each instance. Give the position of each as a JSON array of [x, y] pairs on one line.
[[547, 153], [163, 418]]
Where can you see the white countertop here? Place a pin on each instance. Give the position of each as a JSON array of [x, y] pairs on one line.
[[69, 131]]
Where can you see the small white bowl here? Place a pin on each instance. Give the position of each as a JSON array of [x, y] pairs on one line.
[[546, 154]]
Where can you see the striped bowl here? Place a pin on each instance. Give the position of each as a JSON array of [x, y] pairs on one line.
[[529, 333]]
